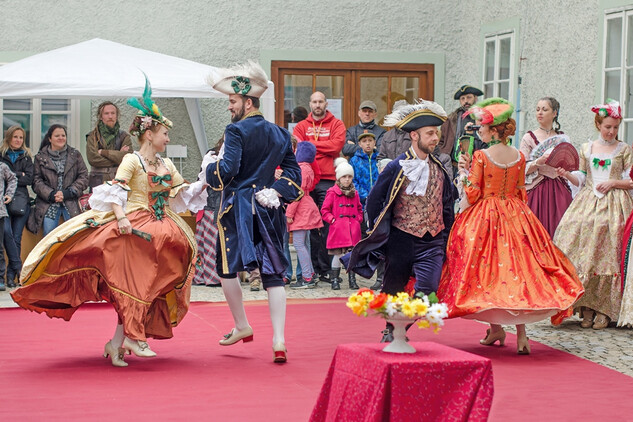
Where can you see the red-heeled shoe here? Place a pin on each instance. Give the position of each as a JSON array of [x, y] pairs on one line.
[[234, 336], [280, 353]]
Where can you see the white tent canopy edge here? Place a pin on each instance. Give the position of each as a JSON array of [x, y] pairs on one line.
[[80, 71]]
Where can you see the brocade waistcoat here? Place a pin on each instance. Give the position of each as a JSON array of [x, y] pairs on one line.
[[418, 215]]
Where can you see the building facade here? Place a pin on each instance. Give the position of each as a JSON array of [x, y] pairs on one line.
[[578, 51]]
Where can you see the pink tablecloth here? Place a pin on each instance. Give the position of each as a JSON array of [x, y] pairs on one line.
[[437, 383]]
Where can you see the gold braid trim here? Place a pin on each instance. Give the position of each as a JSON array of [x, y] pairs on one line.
[[290, 182]]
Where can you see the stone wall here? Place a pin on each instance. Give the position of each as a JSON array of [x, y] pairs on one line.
[[558, 42]]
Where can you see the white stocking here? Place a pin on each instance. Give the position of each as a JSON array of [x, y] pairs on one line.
[[277, 307], [233, 294], [119, 335]]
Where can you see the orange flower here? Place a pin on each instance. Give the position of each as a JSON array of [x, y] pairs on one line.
[[379, 301], [363, 290]]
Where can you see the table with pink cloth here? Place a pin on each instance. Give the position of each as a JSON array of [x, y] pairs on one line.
[[437, 383]]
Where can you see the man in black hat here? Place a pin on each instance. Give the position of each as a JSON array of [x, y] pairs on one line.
[[410, 209], [454, 128]]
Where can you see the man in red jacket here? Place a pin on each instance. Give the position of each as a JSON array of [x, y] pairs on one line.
[[327, 133]]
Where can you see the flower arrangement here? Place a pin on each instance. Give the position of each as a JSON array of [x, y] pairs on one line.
[[428, 310]]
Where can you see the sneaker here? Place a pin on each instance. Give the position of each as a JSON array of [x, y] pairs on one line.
[[286, 280], [303, 284]]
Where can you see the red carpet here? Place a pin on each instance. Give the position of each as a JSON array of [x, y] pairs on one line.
[[53, 370]]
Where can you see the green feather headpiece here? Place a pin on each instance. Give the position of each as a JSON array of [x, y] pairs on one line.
[[148, 111]]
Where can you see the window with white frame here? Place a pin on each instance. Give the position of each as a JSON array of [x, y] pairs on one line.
[[498, 65], [35, 116], [617, 81]]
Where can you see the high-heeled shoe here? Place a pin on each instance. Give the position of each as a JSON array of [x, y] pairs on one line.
[[116, 354], [587, 318], [234, 336], [140, 348], [279, 353], [523, 346], [601, 321], [491, 338]]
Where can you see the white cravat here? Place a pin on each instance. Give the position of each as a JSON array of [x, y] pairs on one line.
[[417, 171]]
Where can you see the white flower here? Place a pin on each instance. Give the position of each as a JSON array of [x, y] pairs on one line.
[[439, 309], [391, 309], [146, 122], [434, 318]]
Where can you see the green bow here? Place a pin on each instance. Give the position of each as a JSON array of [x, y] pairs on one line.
[[241, 85], [159, 205], [161, 179], [597, 163]]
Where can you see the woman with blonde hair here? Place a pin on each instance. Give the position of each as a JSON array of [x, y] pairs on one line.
[[17, 156]]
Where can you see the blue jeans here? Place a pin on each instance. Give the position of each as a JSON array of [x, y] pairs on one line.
[[51, 223], [13, 228], [288, 272]]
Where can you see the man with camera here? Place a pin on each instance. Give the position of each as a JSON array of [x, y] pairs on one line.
[[457, 135]]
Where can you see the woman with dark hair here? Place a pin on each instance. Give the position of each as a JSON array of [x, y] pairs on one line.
[[501, 265], [17, 156], [60, 177], [548, 194], [131, 249], [591, 230]]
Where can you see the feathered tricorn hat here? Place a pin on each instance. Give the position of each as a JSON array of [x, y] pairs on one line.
[[148, 112], [492, 111], [244, 79], [610, 109], [410, 117]]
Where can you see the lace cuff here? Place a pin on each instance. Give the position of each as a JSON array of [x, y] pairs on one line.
[[582, 177], [103, 196], [461, 181], [192, 198]]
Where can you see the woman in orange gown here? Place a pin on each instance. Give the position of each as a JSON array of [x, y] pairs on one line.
[[131, 249], [501, 265]]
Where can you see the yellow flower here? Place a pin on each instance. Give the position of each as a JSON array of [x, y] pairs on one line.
[[408, 310], [422, 323], [403, 297], [420, 308]]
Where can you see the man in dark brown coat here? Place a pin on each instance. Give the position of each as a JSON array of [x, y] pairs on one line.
[[106, 145]]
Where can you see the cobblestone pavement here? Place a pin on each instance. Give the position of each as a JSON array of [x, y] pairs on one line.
[[611, 347]]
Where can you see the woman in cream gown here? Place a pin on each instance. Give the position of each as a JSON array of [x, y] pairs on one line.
[[131, 249]]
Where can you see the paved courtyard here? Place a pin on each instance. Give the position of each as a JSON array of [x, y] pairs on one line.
[[611, 347]]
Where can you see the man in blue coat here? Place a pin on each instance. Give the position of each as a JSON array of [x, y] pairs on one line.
[[251, 219], [410, 210]]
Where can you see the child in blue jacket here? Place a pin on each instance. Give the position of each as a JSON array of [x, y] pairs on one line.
[[365, 164]]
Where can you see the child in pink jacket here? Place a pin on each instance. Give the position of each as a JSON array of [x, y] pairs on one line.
[[304, 216], [343, 211]]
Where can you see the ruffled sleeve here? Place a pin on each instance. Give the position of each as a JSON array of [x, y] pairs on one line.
[[581, 173], [185, 196], [103, 196], [115, 191]]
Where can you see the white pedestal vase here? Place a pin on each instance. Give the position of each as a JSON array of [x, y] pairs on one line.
[[399, 343]]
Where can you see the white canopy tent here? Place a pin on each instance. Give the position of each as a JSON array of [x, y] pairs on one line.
[[81, 71]]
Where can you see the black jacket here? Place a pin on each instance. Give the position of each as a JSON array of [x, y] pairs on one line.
[[23, 169]]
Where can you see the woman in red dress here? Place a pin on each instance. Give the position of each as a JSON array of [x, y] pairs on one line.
[[501, 265]]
